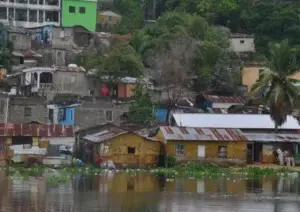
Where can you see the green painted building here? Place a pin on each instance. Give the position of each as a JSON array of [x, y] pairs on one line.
[[79, 12]]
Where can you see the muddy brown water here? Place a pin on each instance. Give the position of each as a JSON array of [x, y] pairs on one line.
[[144, 192]]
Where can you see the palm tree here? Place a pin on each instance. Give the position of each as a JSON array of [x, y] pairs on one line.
[[279, 92]]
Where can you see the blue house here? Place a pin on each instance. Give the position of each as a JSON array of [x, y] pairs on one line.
[[65, 115]]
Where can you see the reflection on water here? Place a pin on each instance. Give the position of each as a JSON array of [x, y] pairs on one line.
[[144, 192]]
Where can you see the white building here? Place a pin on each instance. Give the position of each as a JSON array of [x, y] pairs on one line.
[[30, 13], [242, 43]]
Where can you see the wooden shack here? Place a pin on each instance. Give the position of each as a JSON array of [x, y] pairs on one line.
[[22, 143], [186, 143], [123, 147]]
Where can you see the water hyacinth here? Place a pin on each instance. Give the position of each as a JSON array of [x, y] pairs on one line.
[[190, 170]]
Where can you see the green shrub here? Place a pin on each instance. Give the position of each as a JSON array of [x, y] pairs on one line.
[[171, 161]]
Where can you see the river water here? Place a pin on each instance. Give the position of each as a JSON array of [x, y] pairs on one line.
[[144, 192]]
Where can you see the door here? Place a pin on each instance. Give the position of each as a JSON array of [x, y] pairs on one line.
[[250, 151], [201, 151]]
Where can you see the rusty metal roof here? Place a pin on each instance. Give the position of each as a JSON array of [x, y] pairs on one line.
[[273, 137], [40, 130], [202, 134], [225, 99]]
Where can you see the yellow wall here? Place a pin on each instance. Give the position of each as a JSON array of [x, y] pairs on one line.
[[236, 150], [130, 89], [146, 152], [251, 74]]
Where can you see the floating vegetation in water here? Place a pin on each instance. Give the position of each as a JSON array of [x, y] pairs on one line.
[[190, 170]]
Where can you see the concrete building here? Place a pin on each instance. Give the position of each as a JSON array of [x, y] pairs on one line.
[[50, 81], [83, 13], [95, 111], [55, 42], [30, 13], [27, 109], [242, 43]]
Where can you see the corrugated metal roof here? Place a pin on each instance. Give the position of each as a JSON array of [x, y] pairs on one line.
[[42, 130], [272, 137], [114, 131], [239, 121], [105, 134], [225, 99], [201, 134]]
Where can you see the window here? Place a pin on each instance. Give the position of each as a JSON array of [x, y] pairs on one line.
[[222, 150], [50, 115], [82, 10], [179, 150], [27, 111], [61, 114], [92, 92], [131, 150], [109, 18], [242, 41], [109, 116], [3, 13], [71, 9]]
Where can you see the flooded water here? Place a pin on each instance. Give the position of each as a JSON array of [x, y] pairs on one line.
[[147, 193]]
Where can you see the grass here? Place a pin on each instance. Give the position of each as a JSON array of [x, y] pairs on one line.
[[191, 170]]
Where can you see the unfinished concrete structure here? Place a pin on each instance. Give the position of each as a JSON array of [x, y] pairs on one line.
[[30, 13]]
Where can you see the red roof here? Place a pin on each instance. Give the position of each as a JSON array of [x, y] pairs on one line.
[[224, 99], [40, 130]]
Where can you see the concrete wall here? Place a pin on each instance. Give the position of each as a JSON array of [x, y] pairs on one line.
[[21, 41], [4, 103], [71, 82], [92, 113], [18, 106], [62, 37]]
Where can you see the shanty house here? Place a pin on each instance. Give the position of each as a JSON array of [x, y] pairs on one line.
[[125, 148], [259, 130], [189, 143], [21, 142], [218, 104]]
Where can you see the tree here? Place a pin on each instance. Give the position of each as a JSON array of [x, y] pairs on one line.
[[122, 61], [172, 67], [141, 111], [132, 12], [278, 90]]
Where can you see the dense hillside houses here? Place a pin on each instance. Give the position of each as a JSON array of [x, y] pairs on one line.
[[58, 68]]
